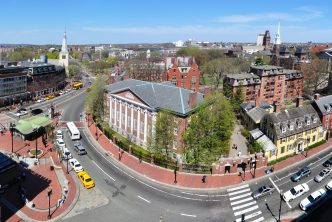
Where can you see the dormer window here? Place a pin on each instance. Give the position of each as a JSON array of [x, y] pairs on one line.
[[308, 121], [327, 107], [283, 129], [299, 124], [314, 119], [291, 127]]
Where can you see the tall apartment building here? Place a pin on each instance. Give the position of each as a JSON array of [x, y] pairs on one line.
[[267, 83], [13, 85]]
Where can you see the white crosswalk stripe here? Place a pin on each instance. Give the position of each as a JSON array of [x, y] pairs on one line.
[[243, 205]]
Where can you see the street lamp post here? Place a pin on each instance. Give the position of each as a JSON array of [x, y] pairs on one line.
[[49, 193], [67, 163], [88, 114], [280, 205], [36, 134], [175, 172], [96, 131], [12, 125]]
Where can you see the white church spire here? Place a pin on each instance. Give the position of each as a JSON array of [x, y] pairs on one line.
[[64, 47], [277, 40]]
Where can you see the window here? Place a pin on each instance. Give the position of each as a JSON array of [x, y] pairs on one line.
[[314, 138], [135, 124], [283, 129], [282, 150], [291, 127], [117, 116], [129, 121], [308, 121], [289, 147], [315, 120], [299, 124]]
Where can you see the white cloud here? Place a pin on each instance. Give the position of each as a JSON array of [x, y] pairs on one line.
[[300, 14]]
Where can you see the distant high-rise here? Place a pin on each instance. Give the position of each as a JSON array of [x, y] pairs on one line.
[[260, 39], [267, 40]]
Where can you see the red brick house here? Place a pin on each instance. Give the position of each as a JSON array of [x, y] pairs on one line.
[[131, 108], [184, 73], [267, 83]]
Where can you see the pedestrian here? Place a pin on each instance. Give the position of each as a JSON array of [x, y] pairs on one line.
[[211, 170], [204, 179], [239, 153], [235, 147]]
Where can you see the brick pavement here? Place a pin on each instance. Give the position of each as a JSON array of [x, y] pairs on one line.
[[189, 180], [38, 179]]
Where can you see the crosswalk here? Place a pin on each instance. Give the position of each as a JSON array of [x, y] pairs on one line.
[[245, 208]]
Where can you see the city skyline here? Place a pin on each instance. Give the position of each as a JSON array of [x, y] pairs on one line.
[[153, 22]]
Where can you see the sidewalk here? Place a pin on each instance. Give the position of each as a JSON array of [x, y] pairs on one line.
[[188, 180]]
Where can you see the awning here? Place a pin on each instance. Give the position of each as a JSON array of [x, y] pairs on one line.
[[26, 126]]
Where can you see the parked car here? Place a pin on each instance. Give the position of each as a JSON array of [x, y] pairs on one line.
[[329, 185], [59, 134], [328, 162], [40, 100], [75, 165], [60, 143], [80, 149], [262, 191], [21, 112], [295, 192], [313, 199], [304, 172], [86, 180], [66, 154], [322, 175], [36, 111]]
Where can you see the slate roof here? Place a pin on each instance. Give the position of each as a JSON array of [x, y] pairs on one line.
[[257, 114], [250, 105], [300, 51], [243, 78], [324, 104], [296, 118], [157, 95]]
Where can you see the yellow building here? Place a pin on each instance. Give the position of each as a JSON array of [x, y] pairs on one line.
[[292, 131]]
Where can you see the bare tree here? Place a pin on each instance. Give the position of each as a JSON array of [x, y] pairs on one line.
[[315, 74]]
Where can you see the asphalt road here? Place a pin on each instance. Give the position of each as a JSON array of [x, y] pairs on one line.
[[135, 198]]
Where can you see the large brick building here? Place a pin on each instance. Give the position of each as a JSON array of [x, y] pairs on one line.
[[183, 72], [323, 106], [267, 83], [131, 108]]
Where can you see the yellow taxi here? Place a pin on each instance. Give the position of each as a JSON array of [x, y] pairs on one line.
[[49, 97], [86, 179]]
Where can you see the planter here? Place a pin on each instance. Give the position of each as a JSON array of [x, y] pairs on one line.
[[32, 153]]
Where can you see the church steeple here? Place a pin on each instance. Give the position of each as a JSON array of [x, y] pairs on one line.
[[277, 40], [64, 47]]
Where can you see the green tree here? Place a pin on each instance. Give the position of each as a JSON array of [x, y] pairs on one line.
[[94, 101], [208, 134], [237, 99], [74, 71], [256, 147], [227, 90], [53, 55], [259, 61], [162, 141]]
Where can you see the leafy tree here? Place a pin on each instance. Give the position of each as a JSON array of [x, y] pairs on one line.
[[237, 99], [74, 71], [162, 141], [208, 134], [53, 55], [22, 54], [94, 101], [75, 54], [227, 90], [259, 61], [256, 147]]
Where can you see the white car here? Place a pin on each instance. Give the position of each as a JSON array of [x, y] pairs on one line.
[[60, 143], [21, 113], [313, 199], [322, 175], [329, 185], [59, 134], [295, 192], [75, 165], [40, 100], [66, 154], [62, 92]]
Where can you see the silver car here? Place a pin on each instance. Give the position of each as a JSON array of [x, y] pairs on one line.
[[322, 175]]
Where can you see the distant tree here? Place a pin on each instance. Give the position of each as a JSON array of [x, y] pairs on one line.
[[227, 90], [259, 61], [53, 55], [237, 99], [74, 71], [315, 74]]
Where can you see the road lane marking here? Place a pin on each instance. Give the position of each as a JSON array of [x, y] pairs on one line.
[[250, 216], [244, 205], [205, 195], [188, 215], [274, 185], [102, 170], [240, 196], [141, 182], [238, 188], [237, 192], [258, 220], [241, 201], [143, 199], [245, 211]]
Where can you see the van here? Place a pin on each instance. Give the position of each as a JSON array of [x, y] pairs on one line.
[[80, 149]]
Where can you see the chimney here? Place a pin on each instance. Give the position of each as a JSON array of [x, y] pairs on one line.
[[276, 107], [192, 99], [299, 101], [316, 96]]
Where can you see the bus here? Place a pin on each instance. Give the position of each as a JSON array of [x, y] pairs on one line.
[[73, 132], [77, 86]]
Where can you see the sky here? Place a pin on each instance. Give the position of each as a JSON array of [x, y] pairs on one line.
[[153, 21]]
